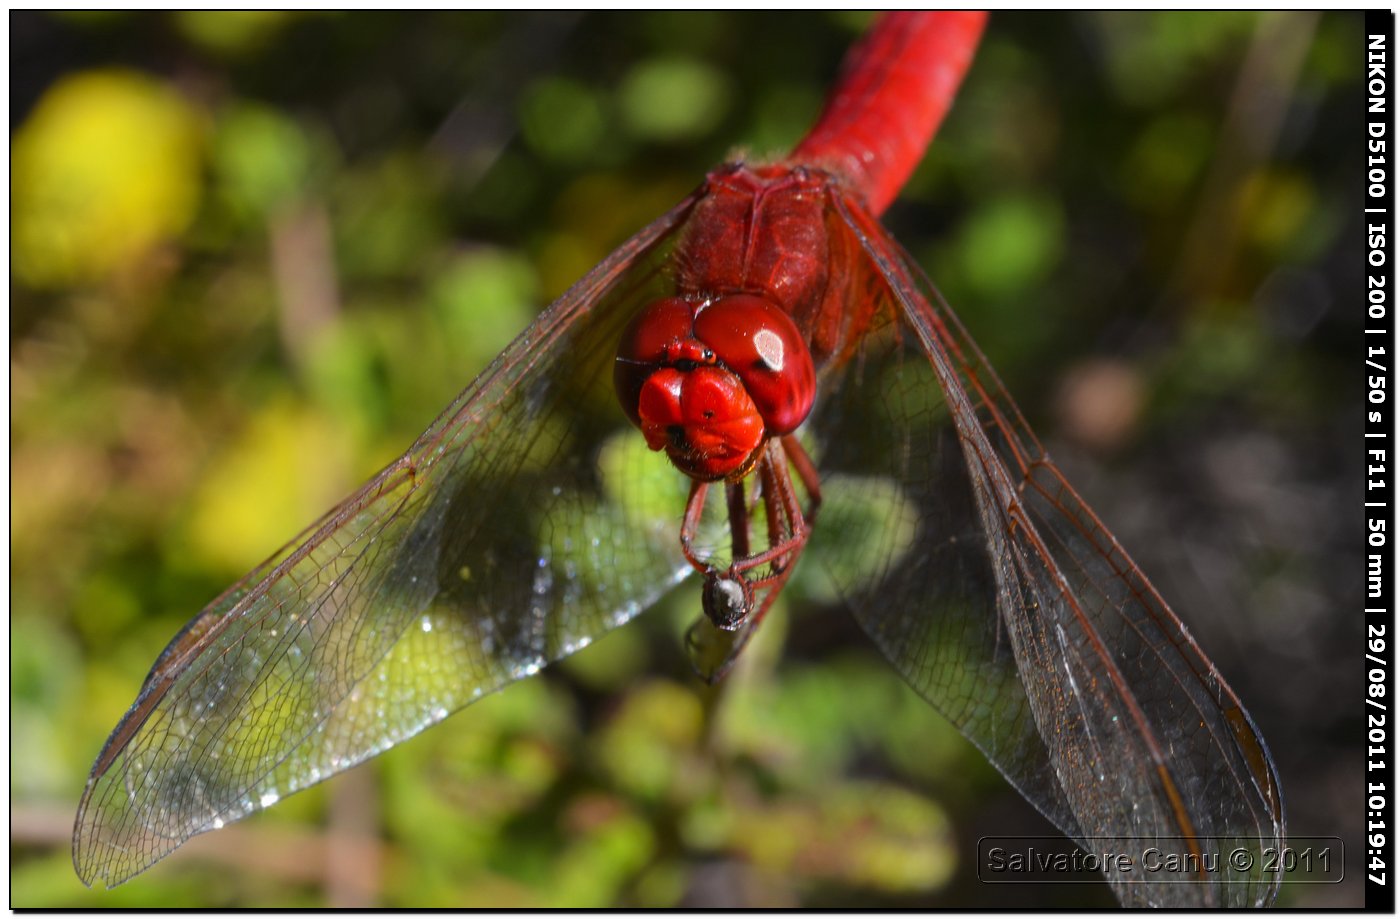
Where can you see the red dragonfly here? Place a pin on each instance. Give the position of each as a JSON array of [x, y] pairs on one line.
[[783, 352]]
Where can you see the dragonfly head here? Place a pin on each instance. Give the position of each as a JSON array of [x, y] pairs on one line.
[[709, 380]]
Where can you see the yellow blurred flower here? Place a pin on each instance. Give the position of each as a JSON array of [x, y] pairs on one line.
[[289, 466], [105, 167]]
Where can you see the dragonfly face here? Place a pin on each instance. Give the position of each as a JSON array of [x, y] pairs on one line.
[[709, 379]]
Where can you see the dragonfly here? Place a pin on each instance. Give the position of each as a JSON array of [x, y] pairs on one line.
[[761, 362]]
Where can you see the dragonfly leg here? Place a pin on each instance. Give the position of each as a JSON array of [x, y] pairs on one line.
[[690, 524], [807, 472], [729, 591], [788, 524], [738, 518]]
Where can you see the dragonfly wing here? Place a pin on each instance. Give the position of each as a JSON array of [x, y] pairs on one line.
[[1011, 608], [527, 521]]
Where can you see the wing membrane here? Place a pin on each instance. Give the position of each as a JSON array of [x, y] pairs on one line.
[[509, 535], [1016, 613]]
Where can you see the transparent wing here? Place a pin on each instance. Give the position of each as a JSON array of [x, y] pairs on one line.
[[527, 521], [1003, 600]]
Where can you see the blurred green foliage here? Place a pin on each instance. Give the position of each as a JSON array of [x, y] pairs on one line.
[[254, 254]]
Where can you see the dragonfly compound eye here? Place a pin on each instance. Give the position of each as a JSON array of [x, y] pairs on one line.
[[763, 346], [650, 342]]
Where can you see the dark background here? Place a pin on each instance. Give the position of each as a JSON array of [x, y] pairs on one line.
[[254, 254]]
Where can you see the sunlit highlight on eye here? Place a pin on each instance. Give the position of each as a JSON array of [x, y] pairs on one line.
[[770, 348]]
